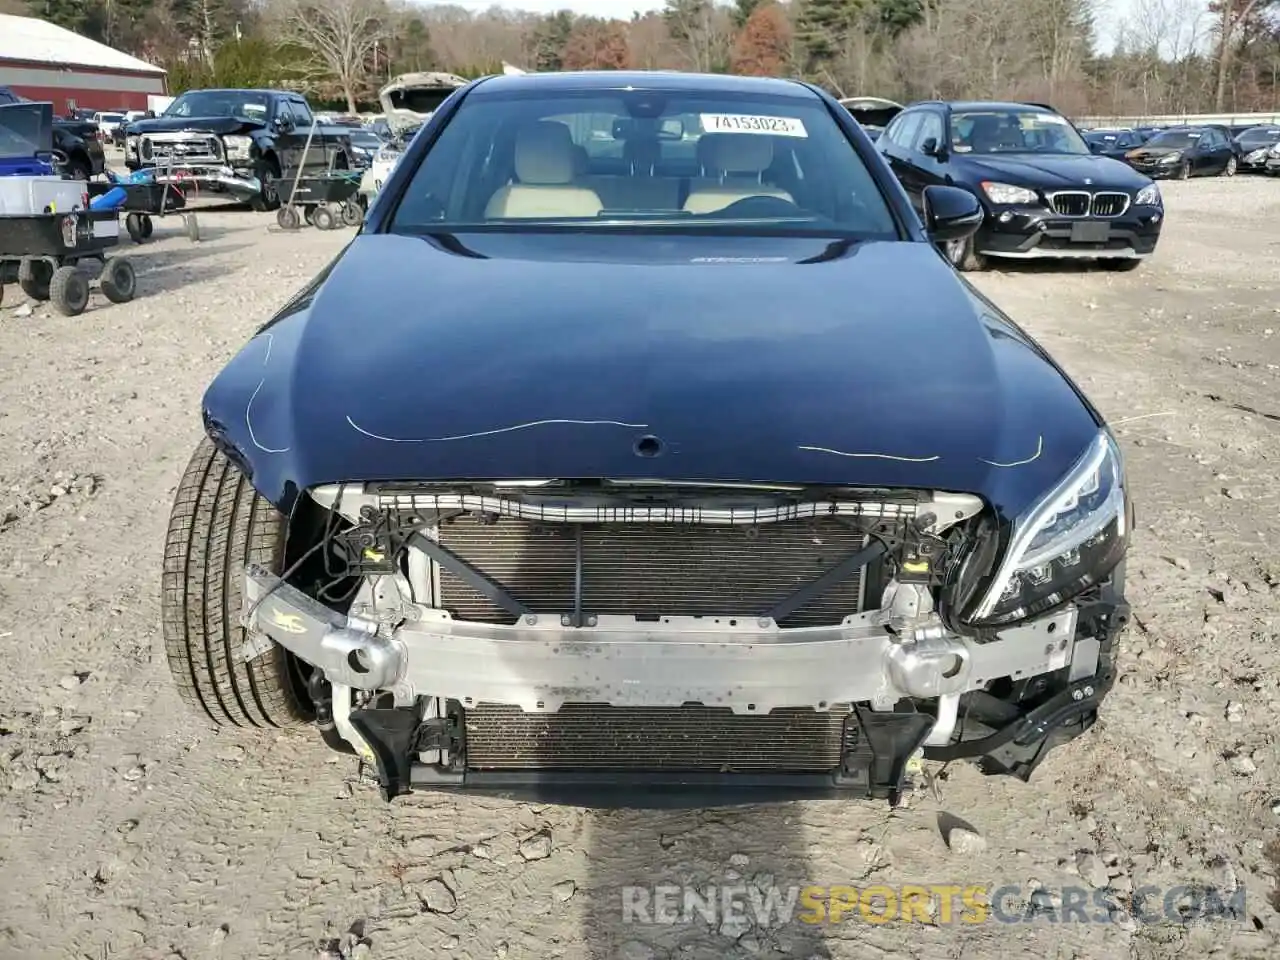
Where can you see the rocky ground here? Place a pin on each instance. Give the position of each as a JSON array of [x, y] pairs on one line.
[[129, 829]]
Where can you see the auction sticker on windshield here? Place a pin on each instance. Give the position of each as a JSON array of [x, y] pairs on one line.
[[742, 123]]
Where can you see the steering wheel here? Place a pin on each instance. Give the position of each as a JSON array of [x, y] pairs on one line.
[[761, 208]]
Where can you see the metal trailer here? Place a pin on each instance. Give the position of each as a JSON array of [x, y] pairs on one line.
[[42, 253], [326, 201]]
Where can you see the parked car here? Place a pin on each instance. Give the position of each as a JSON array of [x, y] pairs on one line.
[[241, 141], [492, 538], [408, 101], [78, 152], [1043, 192], [1254, 144], [365, 145], [1112, 143], [874, 113], [1185, 152], [120, 134], [107, 123]]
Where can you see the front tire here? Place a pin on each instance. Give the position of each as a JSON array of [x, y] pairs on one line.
[[218, 524], [1230, 169], [964, 256], [1184, 171], [268, 174]]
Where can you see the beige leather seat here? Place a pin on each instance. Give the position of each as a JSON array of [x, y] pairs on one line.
[[545, 166], [738, 162]]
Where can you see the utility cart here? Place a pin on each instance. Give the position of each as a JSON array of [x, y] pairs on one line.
[[44, 253], [327, 200], [149, 198]]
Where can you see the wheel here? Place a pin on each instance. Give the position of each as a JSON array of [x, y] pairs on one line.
[[148, 227], [133, 224], [963, 256], [288, 218], [1122, 264], [119, 282], [352, 214], [78, 168], [218, 525], [1230, 169], [192, 226], [69, 291], [268, 173], [34, 276], [323, 218], [1184, 171]]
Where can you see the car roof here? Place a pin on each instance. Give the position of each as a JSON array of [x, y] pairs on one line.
[[608, 80], [287, 93], [987, 105]]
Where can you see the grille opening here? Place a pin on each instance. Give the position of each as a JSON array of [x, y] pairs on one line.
[[653, 570], [691, 738]]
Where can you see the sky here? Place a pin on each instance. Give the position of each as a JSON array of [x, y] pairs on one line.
[[1111, 11]]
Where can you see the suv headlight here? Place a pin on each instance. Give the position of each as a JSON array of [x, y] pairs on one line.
[[1172, 157], [131, 144], [1070, 540], [238, 146], [1149, 194], [1008, 193]]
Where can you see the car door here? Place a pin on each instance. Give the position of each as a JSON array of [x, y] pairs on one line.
[[1202, 157], [929, 154], [898, 139], [321, 151], [288, 138]]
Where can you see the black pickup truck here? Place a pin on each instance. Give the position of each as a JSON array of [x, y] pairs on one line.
[[75, 140], [240, 141]]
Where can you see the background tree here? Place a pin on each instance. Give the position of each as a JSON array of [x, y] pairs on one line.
[[339, 38], [763, 48], [550, 37], [597, 45]]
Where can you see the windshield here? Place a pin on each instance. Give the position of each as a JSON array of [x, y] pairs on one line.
[[1014, 131], [221, 103], [112, 117], [1175, 138], [365, 138], [26, 129], [645, 158], [1260, 136]]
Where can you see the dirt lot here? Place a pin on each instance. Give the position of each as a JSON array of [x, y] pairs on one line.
[[129, 829]]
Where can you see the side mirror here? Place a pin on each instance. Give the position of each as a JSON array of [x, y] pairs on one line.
[[951, 213], [284, 124], [931, 148], [1095, 147], [149, 115]]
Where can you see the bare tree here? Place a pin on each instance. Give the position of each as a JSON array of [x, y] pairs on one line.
[[339, 37], [1232, 16]]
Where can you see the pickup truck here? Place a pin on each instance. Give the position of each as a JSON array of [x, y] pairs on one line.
[[75, 142], [249, 143]]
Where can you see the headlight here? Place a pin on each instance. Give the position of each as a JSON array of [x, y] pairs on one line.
[[1007, 193], [131, 144], [1255, 155], [1274, 151], [1171, 158], [1069, 541], [238, 147], [1149, 194]]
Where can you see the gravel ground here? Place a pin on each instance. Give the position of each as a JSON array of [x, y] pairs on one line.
[[130, 829]]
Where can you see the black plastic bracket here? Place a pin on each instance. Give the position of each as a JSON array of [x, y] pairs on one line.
[[883, 745], [391, 735]]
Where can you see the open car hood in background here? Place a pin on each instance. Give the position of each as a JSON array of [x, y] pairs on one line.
[[26, 130], [410, 99], [872, 111]]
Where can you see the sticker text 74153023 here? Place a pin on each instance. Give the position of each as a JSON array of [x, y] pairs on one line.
[[743, 123]]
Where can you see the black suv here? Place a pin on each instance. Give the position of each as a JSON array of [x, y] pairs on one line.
[[1044, 192]]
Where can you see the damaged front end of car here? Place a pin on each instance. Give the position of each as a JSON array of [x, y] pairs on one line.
[[642, 642]]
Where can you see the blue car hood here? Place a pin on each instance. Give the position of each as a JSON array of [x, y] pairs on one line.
[[505, 356]]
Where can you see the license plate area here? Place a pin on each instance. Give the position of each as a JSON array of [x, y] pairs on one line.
[[1090, 232]]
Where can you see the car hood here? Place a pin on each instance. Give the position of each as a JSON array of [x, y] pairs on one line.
[[410, 99], [537, 356], [1153, 152], [1052, 171], [221, 125]]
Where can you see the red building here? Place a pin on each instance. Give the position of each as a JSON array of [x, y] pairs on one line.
[[41, 61]]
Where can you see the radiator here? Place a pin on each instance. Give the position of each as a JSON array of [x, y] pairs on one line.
[[653, 570], [679, 739]]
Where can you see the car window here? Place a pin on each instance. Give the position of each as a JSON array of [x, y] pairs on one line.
[[930, 126], [669, 159], [220, 103], [905, 135], [301, 113], [1014, 130]]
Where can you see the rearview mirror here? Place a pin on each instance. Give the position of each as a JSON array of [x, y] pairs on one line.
[[951, 213]]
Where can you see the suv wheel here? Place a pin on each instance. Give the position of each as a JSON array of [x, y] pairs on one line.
[[268, 174], [1230, 169]]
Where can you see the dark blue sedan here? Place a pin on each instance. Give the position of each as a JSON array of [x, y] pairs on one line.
[[642, 448]]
